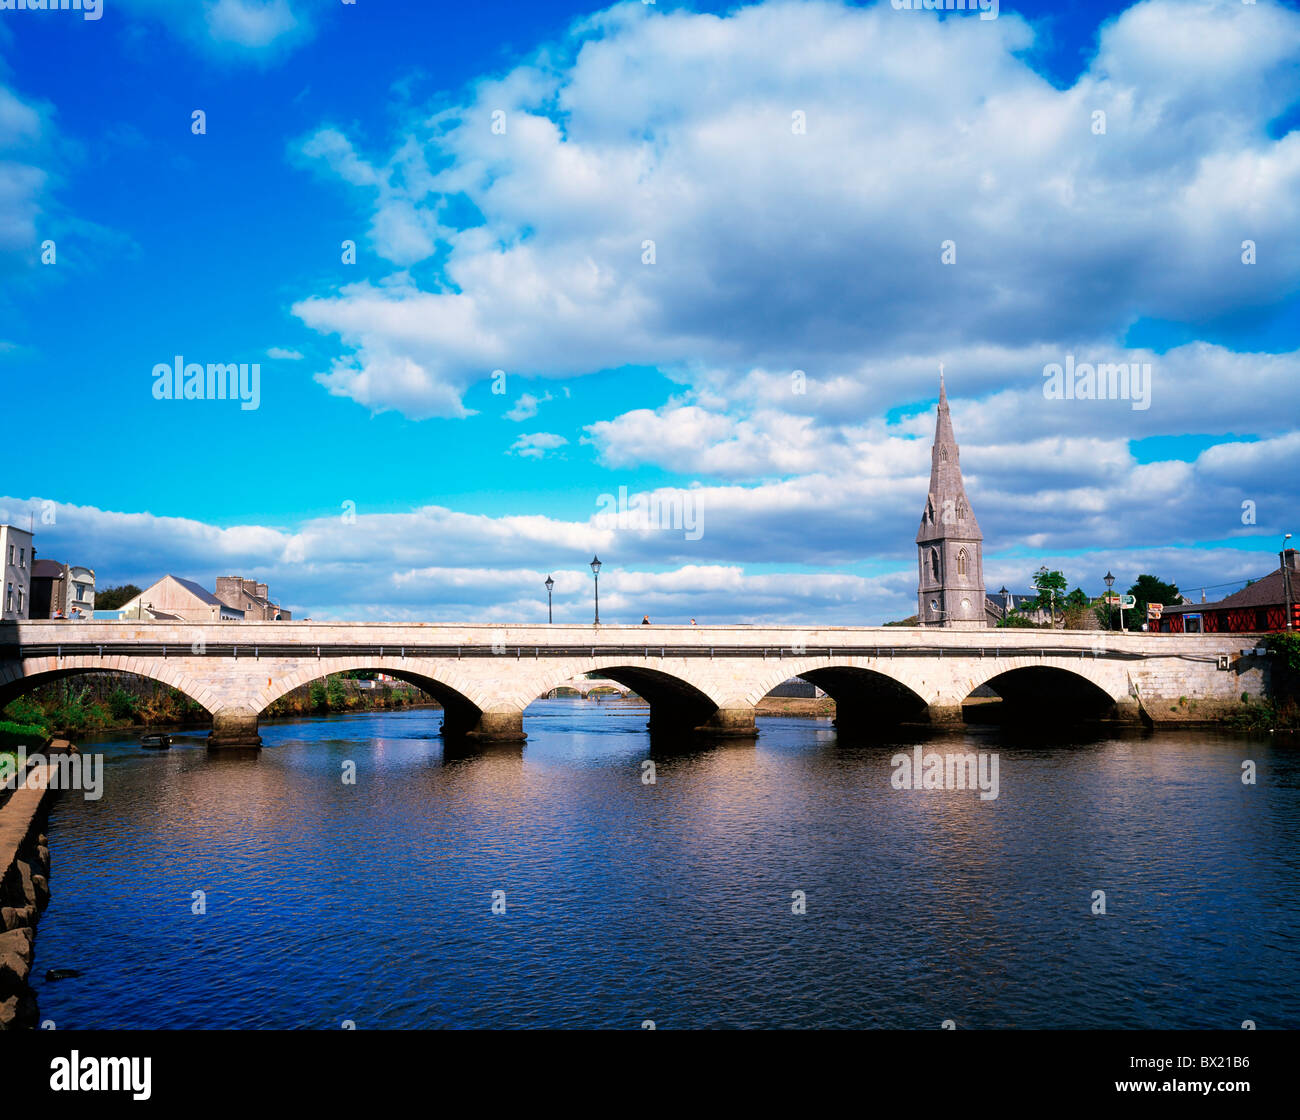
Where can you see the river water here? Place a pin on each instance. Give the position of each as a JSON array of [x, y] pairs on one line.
[[674, 902]]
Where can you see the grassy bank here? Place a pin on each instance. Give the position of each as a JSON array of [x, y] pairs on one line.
[[342, 694], [78, 706], [1282, 715], [72, 708]]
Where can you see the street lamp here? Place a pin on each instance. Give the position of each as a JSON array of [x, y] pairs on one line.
[[550, 585], [1006, 606], [595, 571], [1110, 582], [1286, 584]]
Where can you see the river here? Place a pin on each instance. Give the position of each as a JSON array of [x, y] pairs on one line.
[[624, 902]]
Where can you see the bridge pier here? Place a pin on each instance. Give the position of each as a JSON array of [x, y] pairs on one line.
[[730, 723], [483, 727], [724, 723], [234, 729], [945, 715]]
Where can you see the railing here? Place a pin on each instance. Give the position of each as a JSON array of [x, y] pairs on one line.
[[242, 651]]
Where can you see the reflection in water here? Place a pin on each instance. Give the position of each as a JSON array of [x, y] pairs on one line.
[[372, 900]]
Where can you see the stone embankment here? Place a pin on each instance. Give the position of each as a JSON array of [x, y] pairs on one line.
[[24, 893]]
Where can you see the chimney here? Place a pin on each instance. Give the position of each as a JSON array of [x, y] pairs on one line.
[[1289, 556]]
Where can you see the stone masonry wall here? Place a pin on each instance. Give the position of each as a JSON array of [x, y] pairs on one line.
[[24, 894]]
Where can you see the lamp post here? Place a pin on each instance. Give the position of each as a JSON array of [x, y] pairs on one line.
[[1110, 582], [1006, 605], [1286, 584], [550, 585], [595, 571]]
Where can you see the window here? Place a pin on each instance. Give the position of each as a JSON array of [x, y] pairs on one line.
[[961, 562], [934, 563], [11, 554], [20, 600], [943, 454], [22, 557], [9, 595], [961, 509]]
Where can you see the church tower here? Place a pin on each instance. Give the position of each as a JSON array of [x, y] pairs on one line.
[[949, 543]]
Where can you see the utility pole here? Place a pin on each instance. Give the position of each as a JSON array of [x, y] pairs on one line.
[[1286, 584]]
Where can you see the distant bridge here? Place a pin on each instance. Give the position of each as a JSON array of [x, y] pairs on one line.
[[585, 687], [703, 679]]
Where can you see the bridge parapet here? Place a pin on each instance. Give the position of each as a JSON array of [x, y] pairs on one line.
[[694, 677]]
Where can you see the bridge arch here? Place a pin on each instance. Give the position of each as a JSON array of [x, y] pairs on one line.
[[585, 687], [19, 678], [682, 699], [1028, 688], [865, 695], [464, 703]]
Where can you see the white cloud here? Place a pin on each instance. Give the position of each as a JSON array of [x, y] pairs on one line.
[[843, 537], [525, 408], [753, 426], [820, 251], [249, 23], [536, 445], [283, 355]]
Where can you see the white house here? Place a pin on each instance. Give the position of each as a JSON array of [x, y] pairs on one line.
[[16, 553]]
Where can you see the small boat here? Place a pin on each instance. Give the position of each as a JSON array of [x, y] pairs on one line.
[[156, 742]]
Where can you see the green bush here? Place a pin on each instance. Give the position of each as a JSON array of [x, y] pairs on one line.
[[1285, 647], [27, 711], [1016, 619], [336, 695], [123, 705]]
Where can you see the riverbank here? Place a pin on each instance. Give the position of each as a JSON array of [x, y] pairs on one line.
[[812, 707]]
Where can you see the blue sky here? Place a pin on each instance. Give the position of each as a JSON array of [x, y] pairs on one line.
[[776, 250]]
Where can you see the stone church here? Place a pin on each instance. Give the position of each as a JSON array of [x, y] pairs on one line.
[[949, 543]]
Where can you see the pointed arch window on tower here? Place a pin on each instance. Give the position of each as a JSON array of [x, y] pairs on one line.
[[934, 563], [961, 509], [961, 562], [943, 454]]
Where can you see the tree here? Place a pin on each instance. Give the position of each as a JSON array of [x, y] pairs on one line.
[[1077, 598], [113, 597], [1108, 616], [1149, 589], [1051, 592]]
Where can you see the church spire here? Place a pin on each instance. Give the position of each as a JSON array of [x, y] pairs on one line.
[[949, 541]]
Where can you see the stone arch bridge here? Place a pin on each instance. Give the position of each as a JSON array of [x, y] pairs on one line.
[[704, 679]]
